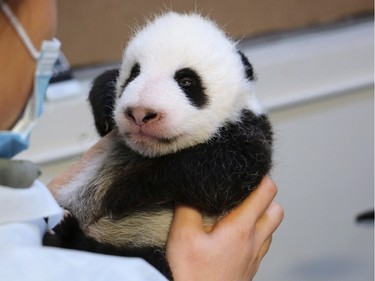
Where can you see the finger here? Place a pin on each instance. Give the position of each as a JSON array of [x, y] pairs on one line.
[[264, 249], [186, 218], [270, 221], [253, 207]]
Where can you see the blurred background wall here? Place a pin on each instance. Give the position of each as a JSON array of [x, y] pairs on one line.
[[107, 25]]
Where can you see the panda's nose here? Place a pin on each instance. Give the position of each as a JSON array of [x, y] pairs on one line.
[[141, 116]]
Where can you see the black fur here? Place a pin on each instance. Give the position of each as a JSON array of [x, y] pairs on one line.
[[134, 72], [213, 176], [249, 71], [191, 84], [102, 98]]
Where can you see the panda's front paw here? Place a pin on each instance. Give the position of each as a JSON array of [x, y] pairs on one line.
[[66, 215], [64, 232]]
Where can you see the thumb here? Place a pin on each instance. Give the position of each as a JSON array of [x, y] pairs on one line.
[[186, 219]]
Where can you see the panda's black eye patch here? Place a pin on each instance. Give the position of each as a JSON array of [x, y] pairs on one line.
[[191, 84], [134, 72]]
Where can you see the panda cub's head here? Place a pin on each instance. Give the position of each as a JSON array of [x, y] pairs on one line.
[[180, 81]]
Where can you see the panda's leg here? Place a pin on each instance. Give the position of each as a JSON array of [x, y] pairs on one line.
[[68, 234], [141, 234], [155, 256]]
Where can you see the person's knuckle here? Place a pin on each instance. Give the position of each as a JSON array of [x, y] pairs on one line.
[[279, 210], [272, 188]]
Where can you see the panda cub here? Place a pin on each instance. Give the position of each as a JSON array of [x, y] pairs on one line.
[[187, 129]]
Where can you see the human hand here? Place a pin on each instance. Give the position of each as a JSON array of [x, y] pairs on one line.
[[233, 248]]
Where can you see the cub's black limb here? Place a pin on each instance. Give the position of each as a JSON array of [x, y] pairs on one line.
[[67, 234]]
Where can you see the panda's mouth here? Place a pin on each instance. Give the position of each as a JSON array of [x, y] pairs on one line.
[[142, 136], [164, 140]]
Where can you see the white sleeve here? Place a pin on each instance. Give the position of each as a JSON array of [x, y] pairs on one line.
[[29, 204], [22, 262], [23, 258]]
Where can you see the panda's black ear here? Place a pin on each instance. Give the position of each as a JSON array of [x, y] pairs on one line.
[[249, 71], [102, 99]]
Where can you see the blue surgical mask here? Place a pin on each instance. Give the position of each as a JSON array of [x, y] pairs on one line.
[[17, 139]]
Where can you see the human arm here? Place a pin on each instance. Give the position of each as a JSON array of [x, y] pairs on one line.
[[233, 248]]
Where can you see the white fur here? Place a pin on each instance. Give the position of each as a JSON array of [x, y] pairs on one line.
[[170, 43], [138, 230]]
